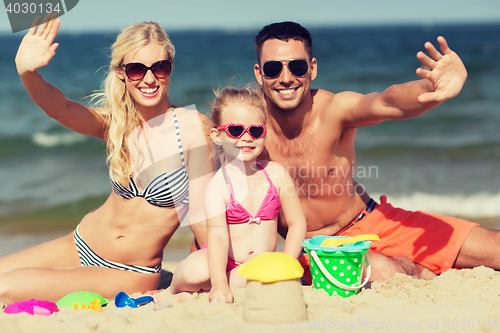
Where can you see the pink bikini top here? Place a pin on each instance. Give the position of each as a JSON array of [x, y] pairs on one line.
[[269, 209]]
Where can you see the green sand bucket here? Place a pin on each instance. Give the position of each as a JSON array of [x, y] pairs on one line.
[[338, 270]]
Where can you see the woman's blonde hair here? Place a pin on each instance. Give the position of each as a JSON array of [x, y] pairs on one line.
[[117, 107], [229, 96]]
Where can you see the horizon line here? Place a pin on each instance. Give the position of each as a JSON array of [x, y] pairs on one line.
[[312, 26]]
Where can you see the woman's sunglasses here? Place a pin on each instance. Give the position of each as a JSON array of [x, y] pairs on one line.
[[272, 69], [136, 71], [236, 131]]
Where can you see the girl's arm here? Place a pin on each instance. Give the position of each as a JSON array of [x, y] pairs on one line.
[[293, 213], [218, 240], [36, 51]]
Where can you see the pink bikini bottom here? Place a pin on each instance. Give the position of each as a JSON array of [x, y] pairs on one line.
[[231, 263]]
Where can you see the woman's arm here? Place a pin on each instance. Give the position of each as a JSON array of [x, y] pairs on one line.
[[36, 50]]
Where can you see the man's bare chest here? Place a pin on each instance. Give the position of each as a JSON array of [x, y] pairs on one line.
[[307, 158]]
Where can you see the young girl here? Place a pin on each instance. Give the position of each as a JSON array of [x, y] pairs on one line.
[[242, 201]]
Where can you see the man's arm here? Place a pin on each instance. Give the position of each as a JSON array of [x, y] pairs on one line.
[[443, 79]]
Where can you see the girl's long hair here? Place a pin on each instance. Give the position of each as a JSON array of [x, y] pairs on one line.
[[116, 106]]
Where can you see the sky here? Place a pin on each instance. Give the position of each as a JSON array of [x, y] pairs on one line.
[[114, 15]]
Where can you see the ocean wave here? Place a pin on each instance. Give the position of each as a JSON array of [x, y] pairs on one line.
[[466, 141], [57, 139], [477, 205]]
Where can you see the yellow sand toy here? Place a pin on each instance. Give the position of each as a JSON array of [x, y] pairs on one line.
[[336, 242], [271, 267], [273, 293], [94, 305]]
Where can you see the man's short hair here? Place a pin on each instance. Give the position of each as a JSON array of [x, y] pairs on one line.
[[283, 31]]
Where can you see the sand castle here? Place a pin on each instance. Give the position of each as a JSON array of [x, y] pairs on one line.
[[273, 292]]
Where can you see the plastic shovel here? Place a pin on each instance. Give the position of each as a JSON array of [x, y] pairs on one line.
[[336, 242], [122, 300]]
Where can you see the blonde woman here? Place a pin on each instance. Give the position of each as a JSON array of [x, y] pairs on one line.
[[158, 158]]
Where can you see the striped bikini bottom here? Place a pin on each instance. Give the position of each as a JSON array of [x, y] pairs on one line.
[[90, 258]]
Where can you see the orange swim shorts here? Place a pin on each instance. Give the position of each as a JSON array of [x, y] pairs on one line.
[[428, 239]]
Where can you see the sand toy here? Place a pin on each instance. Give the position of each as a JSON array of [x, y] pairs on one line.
[[122, 300], [94, 305], [33, 306], [338, 269], [81, 299], [273, 292], [336, 241]]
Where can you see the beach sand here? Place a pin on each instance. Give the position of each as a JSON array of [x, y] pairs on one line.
[[458, 300], [465, 300]]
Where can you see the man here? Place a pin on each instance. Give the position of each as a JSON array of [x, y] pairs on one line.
[[312, 132]]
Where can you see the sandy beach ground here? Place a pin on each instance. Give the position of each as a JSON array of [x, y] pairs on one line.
[[465, 300]]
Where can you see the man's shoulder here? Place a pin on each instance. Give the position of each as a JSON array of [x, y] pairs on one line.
[[329, 97], [327, 101], [323, 100], [322, 94]]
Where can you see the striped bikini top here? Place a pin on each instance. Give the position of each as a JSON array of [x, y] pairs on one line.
[[169, 189]]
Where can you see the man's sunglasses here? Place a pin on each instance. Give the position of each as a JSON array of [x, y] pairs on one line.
[[136, 71], [272, 69], [236, 131]]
